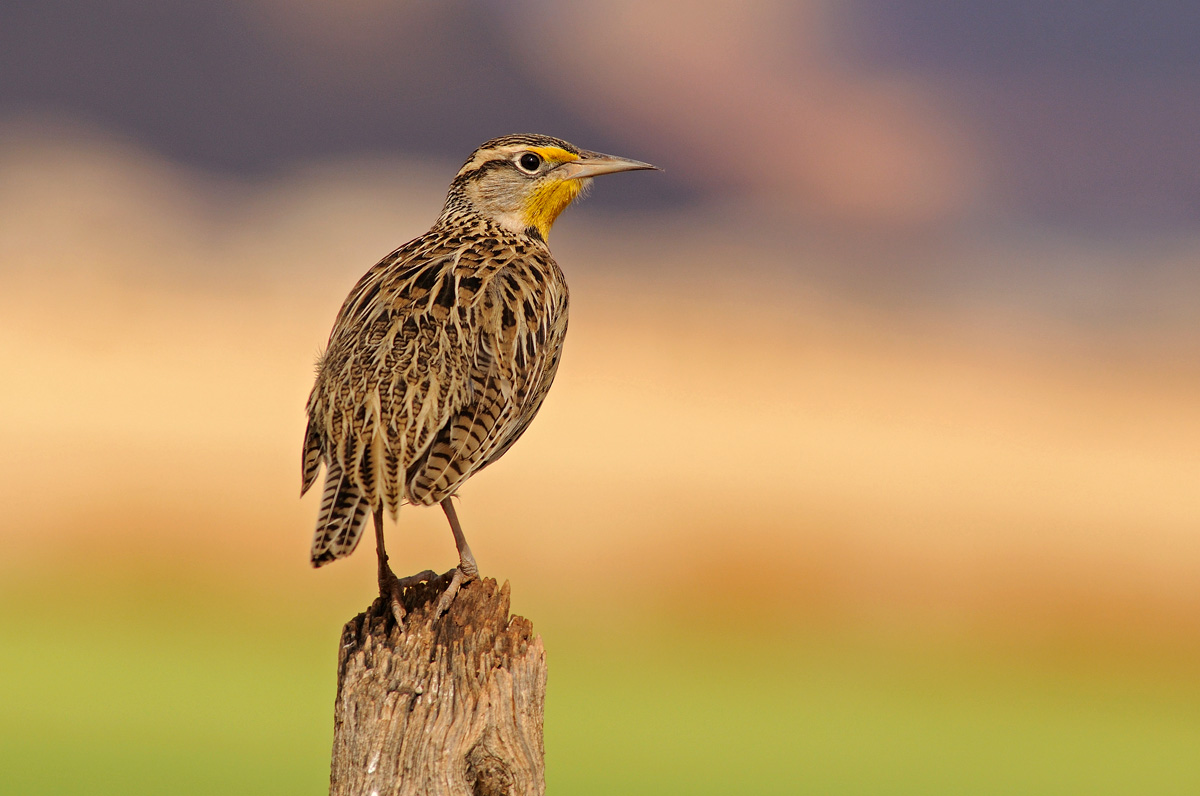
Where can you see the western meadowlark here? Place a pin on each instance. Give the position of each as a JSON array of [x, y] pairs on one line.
[[443, 352]]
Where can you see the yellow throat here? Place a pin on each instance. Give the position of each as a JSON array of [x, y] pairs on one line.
[[548, 201]]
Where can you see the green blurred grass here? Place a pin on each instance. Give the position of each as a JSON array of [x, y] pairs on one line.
[[833, 716], [112, 695]]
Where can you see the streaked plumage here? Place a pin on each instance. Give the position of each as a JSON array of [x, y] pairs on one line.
[[439, 359], [444, 351]]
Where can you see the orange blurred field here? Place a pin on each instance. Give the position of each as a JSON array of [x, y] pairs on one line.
[[912, 541], [717, 423], [872, 465]]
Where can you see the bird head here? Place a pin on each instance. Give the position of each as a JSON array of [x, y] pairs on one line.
[[523, 182]]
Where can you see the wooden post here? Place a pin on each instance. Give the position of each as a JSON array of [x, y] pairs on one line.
[[452, 706]]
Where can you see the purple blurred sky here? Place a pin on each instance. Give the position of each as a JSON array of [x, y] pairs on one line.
[[1080, 115]]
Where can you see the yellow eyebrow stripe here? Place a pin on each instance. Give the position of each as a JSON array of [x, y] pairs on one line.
[[557, 154]]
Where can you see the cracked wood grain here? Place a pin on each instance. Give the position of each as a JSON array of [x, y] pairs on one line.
[[451, 706]]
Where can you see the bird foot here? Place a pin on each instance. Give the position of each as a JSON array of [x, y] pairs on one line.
[[392, 588], [460, 577]]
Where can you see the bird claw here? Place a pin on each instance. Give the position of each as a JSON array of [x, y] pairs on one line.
[[398, 612], [456, 582], [393, 588]]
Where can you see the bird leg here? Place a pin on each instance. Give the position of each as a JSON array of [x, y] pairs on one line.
[[466, 570], [391, 587]]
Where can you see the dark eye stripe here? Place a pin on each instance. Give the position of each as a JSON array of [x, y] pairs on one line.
[[482, 169]]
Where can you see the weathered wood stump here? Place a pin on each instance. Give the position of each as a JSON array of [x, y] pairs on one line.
[[451, 706]]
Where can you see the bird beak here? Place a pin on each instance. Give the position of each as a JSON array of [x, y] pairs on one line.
[[592, 164]]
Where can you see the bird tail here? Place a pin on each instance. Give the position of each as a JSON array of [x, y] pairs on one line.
[[341, 520], [311, 461]]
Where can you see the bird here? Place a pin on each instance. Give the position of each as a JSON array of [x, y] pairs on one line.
[[443, 352]]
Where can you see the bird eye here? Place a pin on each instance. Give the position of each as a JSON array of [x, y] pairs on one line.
[[529, 162]]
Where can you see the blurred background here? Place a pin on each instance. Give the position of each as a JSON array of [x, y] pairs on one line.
[[872, 466]]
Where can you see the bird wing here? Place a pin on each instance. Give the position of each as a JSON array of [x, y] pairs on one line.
[[519, 319], [438, 360], [391, 376]]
